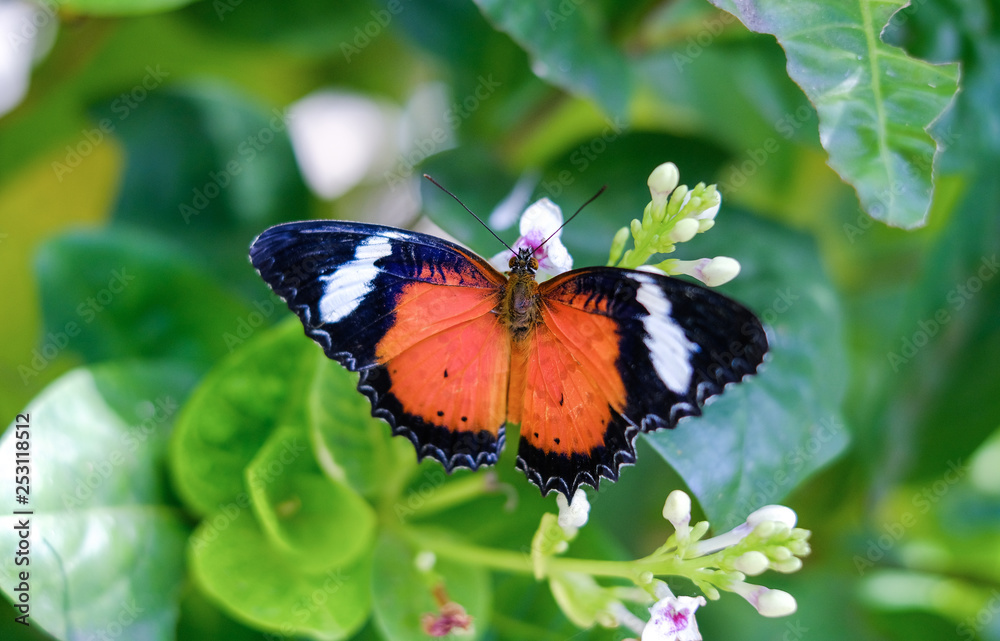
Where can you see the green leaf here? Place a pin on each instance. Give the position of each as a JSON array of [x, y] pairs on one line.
[[761, 438], [236, 565], [567, 48], [106, 549], [232, 173], [964, 31], [350, 444], [111, 8], [403, 594], [118, 294], [875, 103], [233, 412], [323, 521]]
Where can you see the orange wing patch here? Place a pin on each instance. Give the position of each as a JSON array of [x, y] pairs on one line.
[[566, 381], [567, 394], [447, 361]]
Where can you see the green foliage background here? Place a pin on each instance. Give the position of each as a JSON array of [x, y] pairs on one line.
[[855, 147]]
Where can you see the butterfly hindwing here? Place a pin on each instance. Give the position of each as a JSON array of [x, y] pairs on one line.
[[413, 314], [642, 350]]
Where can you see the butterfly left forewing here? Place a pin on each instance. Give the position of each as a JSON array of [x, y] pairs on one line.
[[414, 315], [646, 349]]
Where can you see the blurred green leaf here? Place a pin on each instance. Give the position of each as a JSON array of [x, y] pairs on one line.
[[402, 594], [233, 412], [760, 439], [111, 8], [321, 520], [214, 189], [567, 47], [236, 565], [117, 293], [874, 102], [351, 445], [106, 548]]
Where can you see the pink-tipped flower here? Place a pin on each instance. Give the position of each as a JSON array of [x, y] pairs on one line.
[[538, 222]]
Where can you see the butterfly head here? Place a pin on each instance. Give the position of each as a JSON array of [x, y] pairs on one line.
[[524, 262]]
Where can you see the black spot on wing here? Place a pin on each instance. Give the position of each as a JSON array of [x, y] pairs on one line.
[[452, 449], [553, 472]]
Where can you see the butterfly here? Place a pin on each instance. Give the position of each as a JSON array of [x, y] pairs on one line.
[[450, 350]]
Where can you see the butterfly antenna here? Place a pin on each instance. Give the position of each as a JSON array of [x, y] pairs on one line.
[[592, 199], [473, 213]]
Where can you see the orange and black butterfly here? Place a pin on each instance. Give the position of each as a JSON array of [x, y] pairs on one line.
[[451, 351]]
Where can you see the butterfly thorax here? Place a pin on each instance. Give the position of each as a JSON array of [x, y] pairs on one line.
[[519, 309]]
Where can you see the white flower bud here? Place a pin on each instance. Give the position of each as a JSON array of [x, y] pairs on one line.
[[776, 603], [425, 561], [778, 513], [751, 563], [677, 508], [720, 270], [684, 230], [573, 514], [661, 182]]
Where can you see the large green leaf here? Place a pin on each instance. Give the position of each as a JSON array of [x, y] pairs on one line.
[[758, 440], [322, 520], [567, 47], [233, 412], [106, 548], [403, 594], [351, 446], [237, 566], [118, 293], [875, 103]]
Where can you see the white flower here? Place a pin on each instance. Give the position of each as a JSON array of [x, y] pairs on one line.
[[768, 602], [711, 271], [672, 619], [573, 514], [677, 510], [538, 222], [769, 517]]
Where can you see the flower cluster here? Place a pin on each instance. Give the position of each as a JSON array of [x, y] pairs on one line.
[[675, 215], [767, 540]]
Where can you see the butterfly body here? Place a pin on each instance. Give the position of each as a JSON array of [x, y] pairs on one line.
[[450, 351]]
